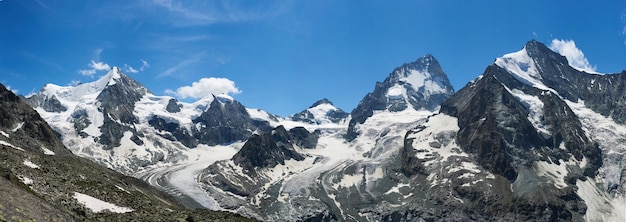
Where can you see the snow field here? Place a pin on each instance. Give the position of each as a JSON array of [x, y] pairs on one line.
[[96, 205]]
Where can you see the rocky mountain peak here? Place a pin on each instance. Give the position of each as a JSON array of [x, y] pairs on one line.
[[320, 102], [541, 53], [322, 111], [517, 116], [419, 85]]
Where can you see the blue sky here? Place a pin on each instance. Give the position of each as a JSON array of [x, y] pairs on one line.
[[281, 56]]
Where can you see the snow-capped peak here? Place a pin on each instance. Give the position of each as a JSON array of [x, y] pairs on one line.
[[321, 102], [75, 93], [321, 112], [113, 74], [423, 76]]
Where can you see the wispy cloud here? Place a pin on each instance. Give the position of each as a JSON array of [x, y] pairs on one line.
[[45, 61], [96, 53], [575, 57], [173, 43], [144, 65], [200, 12], [130, 69], [94, 68], [623, 33], [43, 5], [205, 87], [182, 64]]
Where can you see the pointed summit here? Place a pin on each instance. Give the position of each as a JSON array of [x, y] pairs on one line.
[[322, 111], [320, 102]]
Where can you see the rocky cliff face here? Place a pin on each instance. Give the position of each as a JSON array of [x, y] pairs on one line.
[[521, 120]]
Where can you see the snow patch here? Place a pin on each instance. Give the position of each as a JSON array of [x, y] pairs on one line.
[[19, 126], [523, 68], [11, 145], [5, 134], [258, 114], [48, 152], [396, 92], [96, 205], [26, 180], [419, 81], [535, 108], [121, 188], [554, 172], [30, 164]]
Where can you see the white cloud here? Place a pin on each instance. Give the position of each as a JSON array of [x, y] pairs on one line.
[[575, 56], [95, 67], [12, 90], [205, 87], [99, 66]]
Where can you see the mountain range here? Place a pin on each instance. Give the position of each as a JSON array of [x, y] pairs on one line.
[[41, 180], [532, 138]]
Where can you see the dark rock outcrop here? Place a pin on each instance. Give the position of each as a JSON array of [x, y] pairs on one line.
[[225, 121], [173, 106], [267, 150], [303, 138], [47, 103], [177, 133]]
